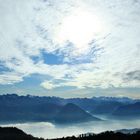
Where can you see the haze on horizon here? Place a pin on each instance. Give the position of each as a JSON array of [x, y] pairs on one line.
[[70, 48]]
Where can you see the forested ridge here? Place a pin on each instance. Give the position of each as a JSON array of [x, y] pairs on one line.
[[12, 133]]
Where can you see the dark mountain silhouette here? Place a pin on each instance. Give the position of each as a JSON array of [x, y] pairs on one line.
[[108, 135], [71, 113], [11, 133], [128, 131]]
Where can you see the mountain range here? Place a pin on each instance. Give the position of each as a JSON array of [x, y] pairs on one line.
[[14, 108]]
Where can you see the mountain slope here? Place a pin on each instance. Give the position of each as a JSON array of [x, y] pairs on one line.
[[28, 111], [130, 110], [72, 113], [12, 133], [106, 107]]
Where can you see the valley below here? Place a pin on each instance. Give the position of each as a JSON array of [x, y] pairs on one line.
[[54, 117], [50, 130]]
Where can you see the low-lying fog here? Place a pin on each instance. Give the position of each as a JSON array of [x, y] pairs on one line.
[[49, 130]]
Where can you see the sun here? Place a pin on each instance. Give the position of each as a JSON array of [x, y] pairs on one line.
[[79, 28]]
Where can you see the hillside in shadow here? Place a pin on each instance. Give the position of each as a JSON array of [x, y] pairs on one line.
[[12, 133], [14, 108]]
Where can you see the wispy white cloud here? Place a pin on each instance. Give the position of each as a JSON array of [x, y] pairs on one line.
[[27, 28], [10, 78]]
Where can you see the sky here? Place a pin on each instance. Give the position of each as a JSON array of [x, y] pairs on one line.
[[70, 48]]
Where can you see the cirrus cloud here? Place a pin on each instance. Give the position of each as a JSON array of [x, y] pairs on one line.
[[107, 60]]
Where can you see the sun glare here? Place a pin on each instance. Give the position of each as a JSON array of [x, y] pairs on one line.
[[79, 28]]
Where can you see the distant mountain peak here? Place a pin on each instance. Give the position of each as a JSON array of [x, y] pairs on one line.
[[118, 99], [72, 113]]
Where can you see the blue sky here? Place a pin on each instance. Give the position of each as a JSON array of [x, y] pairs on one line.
[[70, 48]]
